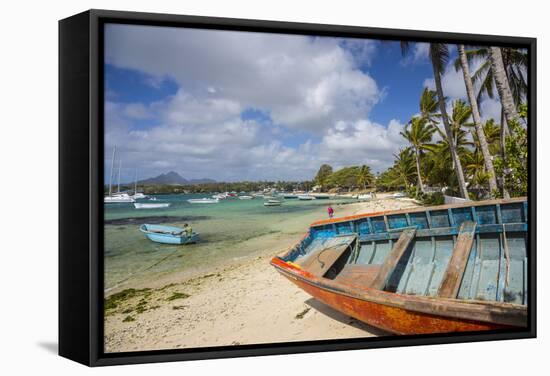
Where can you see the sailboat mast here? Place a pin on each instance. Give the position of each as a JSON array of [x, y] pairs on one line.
[[135, 184], [119, 166], [111, 174]]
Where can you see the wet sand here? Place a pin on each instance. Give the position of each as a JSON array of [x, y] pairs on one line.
[[245, 302]]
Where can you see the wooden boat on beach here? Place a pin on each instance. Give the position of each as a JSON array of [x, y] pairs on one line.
[[451, 268], [168, 234]]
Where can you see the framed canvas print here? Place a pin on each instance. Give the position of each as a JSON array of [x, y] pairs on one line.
[[261, 187]]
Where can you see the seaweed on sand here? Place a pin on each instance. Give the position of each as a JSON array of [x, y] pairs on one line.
[[178, 295]]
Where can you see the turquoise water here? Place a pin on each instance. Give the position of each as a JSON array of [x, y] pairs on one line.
[[230, 229]]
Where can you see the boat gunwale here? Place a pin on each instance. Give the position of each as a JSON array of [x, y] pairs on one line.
[[143, 228], [322, 222], [474, 310], [418, 210]]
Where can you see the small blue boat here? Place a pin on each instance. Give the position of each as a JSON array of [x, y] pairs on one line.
[[168, 234]]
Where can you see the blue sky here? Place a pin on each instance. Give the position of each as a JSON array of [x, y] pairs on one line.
[[250, 106]]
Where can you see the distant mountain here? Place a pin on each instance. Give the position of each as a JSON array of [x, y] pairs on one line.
[[173, 178]]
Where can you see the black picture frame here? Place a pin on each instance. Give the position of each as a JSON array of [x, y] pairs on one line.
[[81, 165]]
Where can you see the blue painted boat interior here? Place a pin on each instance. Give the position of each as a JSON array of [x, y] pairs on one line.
[[495, 271], [162, 228], [167, 234]]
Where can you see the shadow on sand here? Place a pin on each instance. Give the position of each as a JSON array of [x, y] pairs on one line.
[[343, 318]]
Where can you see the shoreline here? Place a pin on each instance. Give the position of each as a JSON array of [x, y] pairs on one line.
[[244, 301]]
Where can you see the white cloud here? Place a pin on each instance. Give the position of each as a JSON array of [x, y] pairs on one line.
[[452, 83], [304, 82], [311, 88], [136, 111], [419, 53], [490, 109], [362, 142]]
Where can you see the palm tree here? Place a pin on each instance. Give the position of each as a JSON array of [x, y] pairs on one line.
[[515, 61], [439, 55], [492, 135], [459, 120], [365, 177], [503, 86], [475, 167], [439, 162], [488, 159], [506, 100], [403, 172], [460, 116], [419, 134], [404, 166], [429, 106]]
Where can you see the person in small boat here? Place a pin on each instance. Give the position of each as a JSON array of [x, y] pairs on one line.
[[188, 230], [330, 211]]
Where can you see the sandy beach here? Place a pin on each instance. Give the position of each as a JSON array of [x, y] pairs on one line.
[[243, 302]]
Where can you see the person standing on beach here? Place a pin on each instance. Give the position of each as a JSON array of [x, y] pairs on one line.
[[330, 211]]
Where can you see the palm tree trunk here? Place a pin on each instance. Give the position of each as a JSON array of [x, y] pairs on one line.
[[503, 86], [452, 145], [477, 121], [505, 193], [417, 154]]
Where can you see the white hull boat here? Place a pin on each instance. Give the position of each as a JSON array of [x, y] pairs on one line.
[[306, 197], [151, 206], [272, 203], [321, 196], [290, 196], [139, 196], [118, 198], [203, 201]]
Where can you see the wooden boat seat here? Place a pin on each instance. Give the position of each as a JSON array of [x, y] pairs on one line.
[[358, 275], [324, 254], [403, 243], [452, 277]]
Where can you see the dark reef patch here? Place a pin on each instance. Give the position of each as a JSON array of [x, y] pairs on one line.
[[154, 220]]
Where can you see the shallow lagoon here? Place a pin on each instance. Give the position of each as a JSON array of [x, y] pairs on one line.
[[230, 230]]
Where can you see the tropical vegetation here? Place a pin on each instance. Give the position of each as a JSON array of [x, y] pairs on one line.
[[459, 154]]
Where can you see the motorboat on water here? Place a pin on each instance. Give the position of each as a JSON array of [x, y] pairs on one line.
[[273, 202], [306, 197], [168, 234], [144, 205], [139, 196], [289, 196], [118, 198], [245, 197], [203, 200], [321, 196]]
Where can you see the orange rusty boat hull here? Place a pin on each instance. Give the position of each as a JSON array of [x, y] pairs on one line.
[[386, 317]]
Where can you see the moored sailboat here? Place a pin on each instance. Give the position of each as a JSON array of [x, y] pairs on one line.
[[118, 197]]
